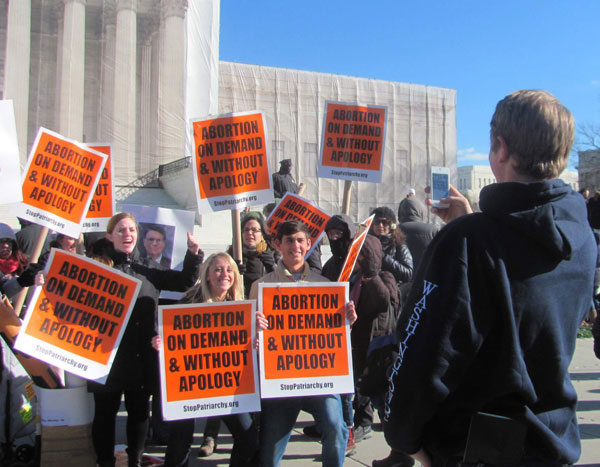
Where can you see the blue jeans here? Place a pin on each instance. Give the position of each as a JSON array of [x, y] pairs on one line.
[[279, 415], [347, 409]]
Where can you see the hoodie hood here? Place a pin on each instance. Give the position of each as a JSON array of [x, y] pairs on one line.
[[411, 210], [343, 222], [372, 254], [549, 212]]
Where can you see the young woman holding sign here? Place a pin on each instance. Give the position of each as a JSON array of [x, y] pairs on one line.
[[134, 371], [219, 281]]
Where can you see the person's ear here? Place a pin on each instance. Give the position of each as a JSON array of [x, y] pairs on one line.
[[502, 151]]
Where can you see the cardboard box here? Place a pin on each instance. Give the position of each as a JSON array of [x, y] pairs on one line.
[[66, 417], [67, 446]]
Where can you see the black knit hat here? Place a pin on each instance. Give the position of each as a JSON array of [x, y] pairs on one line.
[[386, 212]]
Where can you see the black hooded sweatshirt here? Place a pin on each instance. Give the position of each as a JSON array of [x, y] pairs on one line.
[[339, 248], [491, 324]]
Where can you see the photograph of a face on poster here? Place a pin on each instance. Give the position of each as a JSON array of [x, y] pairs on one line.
[[156, 242], [162, 233]]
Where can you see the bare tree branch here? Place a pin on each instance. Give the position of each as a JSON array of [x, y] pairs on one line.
[[588, 136]]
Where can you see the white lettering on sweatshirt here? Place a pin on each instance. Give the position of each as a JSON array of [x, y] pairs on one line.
[[411, 327]]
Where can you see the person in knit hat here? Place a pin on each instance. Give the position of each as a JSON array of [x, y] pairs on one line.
[[283, 181], [396, 255]]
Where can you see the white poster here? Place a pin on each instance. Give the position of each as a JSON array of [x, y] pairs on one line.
[[162, 236], [10, 170], [306, 348], [208, 366]]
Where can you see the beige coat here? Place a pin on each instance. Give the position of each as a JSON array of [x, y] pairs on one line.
[[281, 274]]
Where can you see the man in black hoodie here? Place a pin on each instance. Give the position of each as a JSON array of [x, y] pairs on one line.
[[495, 308], [340, 232]]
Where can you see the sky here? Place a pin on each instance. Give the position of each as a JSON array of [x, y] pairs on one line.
[[484, 50]]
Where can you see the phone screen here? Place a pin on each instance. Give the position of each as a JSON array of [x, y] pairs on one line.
[[439, 187]]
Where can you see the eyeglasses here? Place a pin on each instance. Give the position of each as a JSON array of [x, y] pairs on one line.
[[252, 230], [382, 221], [6, 240]]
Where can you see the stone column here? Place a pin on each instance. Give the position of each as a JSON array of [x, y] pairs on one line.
[[107, 79], [72, 70], [146, 162], [155, 66], [16, 71], [171, 106], [124, 121]]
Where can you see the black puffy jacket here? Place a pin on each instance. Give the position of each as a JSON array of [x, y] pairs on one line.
[[396, 259], [136, 363]]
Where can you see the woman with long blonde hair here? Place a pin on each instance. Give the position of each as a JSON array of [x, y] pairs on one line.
[[219, 281]]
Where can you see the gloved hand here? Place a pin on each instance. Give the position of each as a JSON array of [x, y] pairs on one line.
[[268, 261], [241, 267]]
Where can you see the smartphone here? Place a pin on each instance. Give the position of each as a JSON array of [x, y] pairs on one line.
[[440, 186]]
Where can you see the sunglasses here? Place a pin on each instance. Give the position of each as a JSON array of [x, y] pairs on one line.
[[382, 221]]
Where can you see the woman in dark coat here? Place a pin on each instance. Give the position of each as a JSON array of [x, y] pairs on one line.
[[257, 258], [135, 369], [396, 255], [373, 290]]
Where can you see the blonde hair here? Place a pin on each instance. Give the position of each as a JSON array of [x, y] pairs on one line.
[[538, 131], [200, 291]]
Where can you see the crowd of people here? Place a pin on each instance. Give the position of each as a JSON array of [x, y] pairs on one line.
[[483, 334]]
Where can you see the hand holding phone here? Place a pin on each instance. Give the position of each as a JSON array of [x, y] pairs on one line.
[[440, 186], [459, 205]]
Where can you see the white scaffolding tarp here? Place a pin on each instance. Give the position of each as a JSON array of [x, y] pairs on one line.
[[421, 128]]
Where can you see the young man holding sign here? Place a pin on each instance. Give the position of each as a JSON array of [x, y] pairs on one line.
[[279, 414]]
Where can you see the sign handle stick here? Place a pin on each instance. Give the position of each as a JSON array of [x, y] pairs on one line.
[[301, 189], [347, 193], [20, 299], [237, 235]]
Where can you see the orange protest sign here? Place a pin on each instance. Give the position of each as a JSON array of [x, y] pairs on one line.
[[294, 207], [307, 341], [76, 320], [231, 162], [59, 182], [207, 362], [354, 250], [102, 207], [352, 144]]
